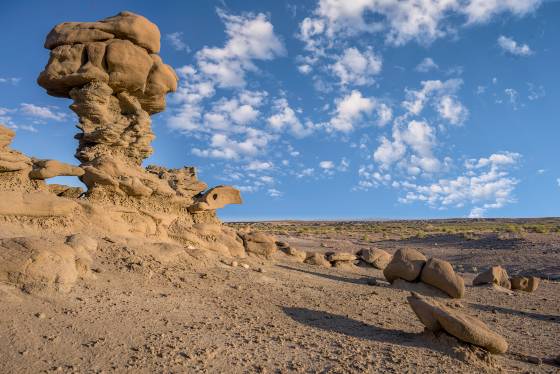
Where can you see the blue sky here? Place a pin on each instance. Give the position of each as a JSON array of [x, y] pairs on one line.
[[331, 109]]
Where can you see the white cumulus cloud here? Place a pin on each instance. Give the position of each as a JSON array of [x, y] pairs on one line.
[[426, 65], [355, 67], [511, 46]]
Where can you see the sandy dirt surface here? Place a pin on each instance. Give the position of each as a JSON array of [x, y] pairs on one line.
[[279, 316]]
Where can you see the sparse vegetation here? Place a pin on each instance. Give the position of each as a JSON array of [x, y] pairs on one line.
[[372, 231]]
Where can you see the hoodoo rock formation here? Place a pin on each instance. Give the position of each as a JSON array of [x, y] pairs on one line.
[[112, 72]]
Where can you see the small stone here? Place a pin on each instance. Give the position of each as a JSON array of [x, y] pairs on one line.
[[234, 264], [534, 360], [261, 270], [494, 275], [40, 315], [245, 266]]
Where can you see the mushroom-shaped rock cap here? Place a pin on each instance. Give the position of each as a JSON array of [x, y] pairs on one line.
[[120, 51], [125, 25]]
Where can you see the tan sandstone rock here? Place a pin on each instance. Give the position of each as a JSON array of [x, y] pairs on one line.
[[39, 263], [216, 198], [405, 264], [440, 274], [317, 259], [35, 204], [45, 169], [297, 254], [527, 284], [11, 160], [378, 258], [495, 275], [462, 326], [259, 244], [125, 25]]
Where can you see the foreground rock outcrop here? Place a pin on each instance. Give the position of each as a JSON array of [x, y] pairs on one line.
[[437, 317], [116, 80], [409, 265]]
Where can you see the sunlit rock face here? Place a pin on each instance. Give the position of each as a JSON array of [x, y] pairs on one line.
[[112, 72]]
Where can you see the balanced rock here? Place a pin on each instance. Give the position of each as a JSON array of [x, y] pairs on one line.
[[495, 275], [528, 284], [259, 243], [440, 274], [317, 259], [406, 264], [378, 258], [466, 328]]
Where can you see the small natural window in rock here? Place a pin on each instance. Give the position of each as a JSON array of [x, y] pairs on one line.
[[215, 196]]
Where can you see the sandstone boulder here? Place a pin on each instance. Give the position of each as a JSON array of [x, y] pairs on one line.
[[317, 259], [406, 264], [297, 254], [378, 258], [440, 274], [38, 263], [496, 275], [462, 326], [528, 284], [259, 244]]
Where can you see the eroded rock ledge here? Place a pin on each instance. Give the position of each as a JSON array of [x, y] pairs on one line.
[[116, 80]]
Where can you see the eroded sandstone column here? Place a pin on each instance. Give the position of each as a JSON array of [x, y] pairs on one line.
[[112, 72]]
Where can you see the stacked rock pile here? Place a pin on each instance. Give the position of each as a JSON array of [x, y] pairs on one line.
[[412, 266]]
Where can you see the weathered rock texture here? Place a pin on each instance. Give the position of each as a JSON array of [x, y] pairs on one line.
[[440, 274], [317, 259], [528, 284], [495, 275], [406, 264], [377, 258], [116, 80], [436, 317]]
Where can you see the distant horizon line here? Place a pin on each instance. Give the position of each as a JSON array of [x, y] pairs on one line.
[[248, 220]]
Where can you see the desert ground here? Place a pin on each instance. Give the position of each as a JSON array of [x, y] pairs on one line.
[[142, 313]]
